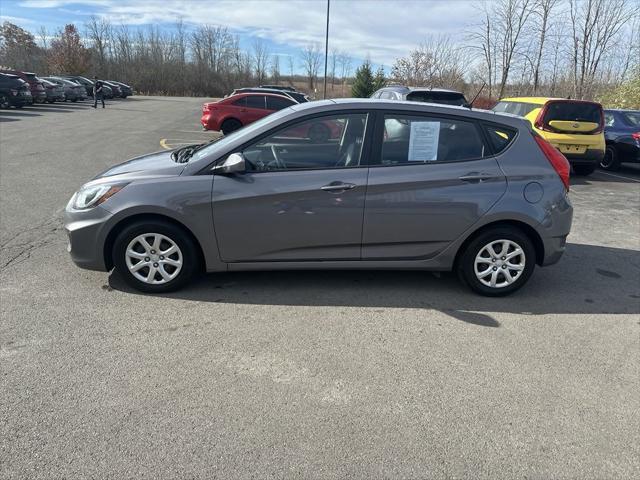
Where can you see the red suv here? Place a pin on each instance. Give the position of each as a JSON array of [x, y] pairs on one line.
[[236, 111], [38, 91]]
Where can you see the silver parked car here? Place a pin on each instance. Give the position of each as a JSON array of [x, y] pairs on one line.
[[397, 185]]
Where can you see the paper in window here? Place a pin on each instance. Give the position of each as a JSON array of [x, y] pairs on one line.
[[423, 141]]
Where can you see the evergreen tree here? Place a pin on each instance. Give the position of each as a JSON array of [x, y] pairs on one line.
[[379, 80], [363, 84]]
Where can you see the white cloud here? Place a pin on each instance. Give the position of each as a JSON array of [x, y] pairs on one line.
[[382, 29], [16, 20]]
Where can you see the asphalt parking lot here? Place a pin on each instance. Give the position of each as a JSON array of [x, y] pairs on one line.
[[302, 374]]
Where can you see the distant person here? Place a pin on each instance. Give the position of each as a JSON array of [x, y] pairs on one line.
[[97, 92]]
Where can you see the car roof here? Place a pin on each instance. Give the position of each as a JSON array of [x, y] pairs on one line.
[[407, 89], [260, 94], [418, 107], [622, 110]]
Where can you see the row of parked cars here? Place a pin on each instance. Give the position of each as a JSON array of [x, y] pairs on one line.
[[18, 88], [585, 133]]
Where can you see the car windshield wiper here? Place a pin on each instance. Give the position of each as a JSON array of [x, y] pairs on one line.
[[182, 155]]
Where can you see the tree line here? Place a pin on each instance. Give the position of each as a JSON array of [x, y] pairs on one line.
[[570, 48]]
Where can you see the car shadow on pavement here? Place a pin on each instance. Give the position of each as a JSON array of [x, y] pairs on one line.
[[589, 279]]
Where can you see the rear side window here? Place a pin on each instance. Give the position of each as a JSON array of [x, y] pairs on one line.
[[573, 111], [256, 101], [632, 118], [241, 102], [278, 103], [418, 139], [499, 136], [445, 98], [521, 109]]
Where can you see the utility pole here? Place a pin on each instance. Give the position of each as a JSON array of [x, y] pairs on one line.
[[326, 52]]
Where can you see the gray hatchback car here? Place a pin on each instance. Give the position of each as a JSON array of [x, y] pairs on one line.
[[397, 185]]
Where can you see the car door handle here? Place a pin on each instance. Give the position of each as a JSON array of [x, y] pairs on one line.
[[338, 187], [475, 177]]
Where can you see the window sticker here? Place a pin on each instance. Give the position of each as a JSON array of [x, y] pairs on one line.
[[423, 141]]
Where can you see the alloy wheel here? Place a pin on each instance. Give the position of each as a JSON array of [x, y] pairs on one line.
[[153, 258], [499, 263]]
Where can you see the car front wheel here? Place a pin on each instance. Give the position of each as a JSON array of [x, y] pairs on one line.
[[497, 262], [155, 256]]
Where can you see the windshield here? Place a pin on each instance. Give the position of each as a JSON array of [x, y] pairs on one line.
[[243, 132], [632, 118]]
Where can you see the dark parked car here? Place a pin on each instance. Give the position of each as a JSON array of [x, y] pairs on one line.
[[403, 186], [14, 92], [280, 87], [236, 111], [422, 94], [116, 91], [55, 92], [84, 81], [622, 136], [125, 90], [37, 88], [297, 96], [73, 91]]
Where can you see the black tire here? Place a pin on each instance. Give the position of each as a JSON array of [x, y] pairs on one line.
[[4, 101], [188, 249], [230, 125], [610, 161], [584, 170], [319, 132], [466, 262]]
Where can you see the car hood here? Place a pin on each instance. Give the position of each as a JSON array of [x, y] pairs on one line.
[[150, 165]]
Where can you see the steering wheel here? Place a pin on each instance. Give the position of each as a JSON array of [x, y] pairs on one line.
[[279, 163]]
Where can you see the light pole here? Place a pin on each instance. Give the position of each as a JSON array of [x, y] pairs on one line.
[[326, 52]]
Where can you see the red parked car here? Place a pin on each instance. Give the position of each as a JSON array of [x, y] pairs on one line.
[[38, 91], [234, 112]]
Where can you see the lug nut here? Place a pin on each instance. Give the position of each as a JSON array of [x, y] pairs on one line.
[[493, 259], [153, 252], [504, 266], [161, 257], [146, 259], [495, 268], [504, 258], [155, 265]]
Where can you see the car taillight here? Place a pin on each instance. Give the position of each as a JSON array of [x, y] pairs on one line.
[[208, 107], [636, 136], [557, 160]]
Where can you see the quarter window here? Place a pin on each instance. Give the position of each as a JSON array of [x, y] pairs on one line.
[[323, 142], [417, 139], [241, 102]]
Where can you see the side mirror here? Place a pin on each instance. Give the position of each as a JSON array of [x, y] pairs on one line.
[[234, 163]]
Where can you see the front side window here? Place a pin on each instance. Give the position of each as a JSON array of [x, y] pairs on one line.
[[256, 101], [278, 103], [323, 142], [418, 139]]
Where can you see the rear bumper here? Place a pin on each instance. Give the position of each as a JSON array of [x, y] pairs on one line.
[[590, 157]]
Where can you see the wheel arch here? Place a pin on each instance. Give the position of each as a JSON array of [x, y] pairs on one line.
[[525, 228], [141, 217]]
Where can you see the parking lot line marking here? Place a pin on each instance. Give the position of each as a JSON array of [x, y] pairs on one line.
[[620, 176]]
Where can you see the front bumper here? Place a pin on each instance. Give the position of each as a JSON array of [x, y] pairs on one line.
[[86, 231]]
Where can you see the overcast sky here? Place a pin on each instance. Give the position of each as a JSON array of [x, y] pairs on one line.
[[383, 29]]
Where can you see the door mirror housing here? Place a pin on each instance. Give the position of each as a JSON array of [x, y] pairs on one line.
[[234, 163]]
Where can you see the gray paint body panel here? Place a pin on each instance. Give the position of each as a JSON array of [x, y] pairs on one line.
[[404, 217]]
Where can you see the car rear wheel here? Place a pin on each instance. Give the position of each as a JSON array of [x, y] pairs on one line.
[[610, 160], [230, 125], [155, 256], [584, 170], [497, 262], [4, 101]]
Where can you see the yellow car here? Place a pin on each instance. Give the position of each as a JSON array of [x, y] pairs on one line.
[[575, 127]]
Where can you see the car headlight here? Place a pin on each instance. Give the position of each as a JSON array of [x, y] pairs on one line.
[[93, 195]]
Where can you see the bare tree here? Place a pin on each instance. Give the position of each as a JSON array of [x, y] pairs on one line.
[[291, 63], [484, 40], [97, 32], [311, 61], [275, 69], [344, 61], [260, 57], [595, 25], [334, 61], [542, 12]]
